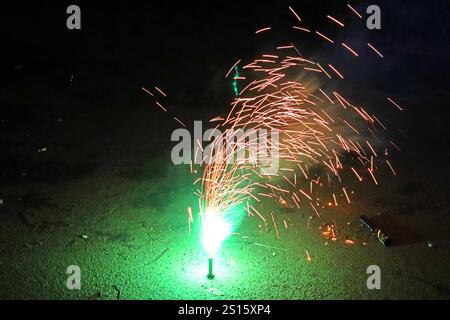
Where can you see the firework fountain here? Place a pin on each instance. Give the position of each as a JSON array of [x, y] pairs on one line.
[[318, 129], [324, 139]]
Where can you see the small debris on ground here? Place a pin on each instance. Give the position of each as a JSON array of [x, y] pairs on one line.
[[349, 242], [117, 291], [95, 296]]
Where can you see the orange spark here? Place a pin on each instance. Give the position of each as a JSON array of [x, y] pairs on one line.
[[354, 11], [337, 72], [395, 104], [231, 69], [179, 121], [375, 50], [339, 23], [263, 30], [295, 14], [324, 37], [392, 169], [346, 195], [275, 225], [147, 91], [160, 91], [302, 29], [308, 257], [159, 105], [350, 49]]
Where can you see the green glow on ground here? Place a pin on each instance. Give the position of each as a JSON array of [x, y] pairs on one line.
[[138, 243]]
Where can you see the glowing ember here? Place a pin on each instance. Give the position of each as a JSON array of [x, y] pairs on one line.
[[349, 242], [329, 231]]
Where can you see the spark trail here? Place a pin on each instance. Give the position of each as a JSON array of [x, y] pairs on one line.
[[327, 139]]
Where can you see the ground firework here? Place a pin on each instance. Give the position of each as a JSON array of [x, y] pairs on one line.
[[325, 138]]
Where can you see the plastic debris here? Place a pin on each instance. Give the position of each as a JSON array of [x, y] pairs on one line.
[[377, 232]]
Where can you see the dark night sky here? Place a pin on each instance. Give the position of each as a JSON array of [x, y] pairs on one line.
[[187, 48]]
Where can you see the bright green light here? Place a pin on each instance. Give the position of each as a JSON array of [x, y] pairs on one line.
[[214, 231], [235, 87]]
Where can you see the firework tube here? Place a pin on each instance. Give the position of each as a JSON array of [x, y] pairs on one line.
[[210, 269]]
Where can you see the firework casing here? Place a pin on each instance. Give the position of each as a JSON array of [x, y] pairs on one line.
[[210, 269], [384, 239]]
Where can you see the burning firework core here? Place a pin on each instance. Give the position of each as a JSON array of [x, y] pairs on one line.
[[214, 231]]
